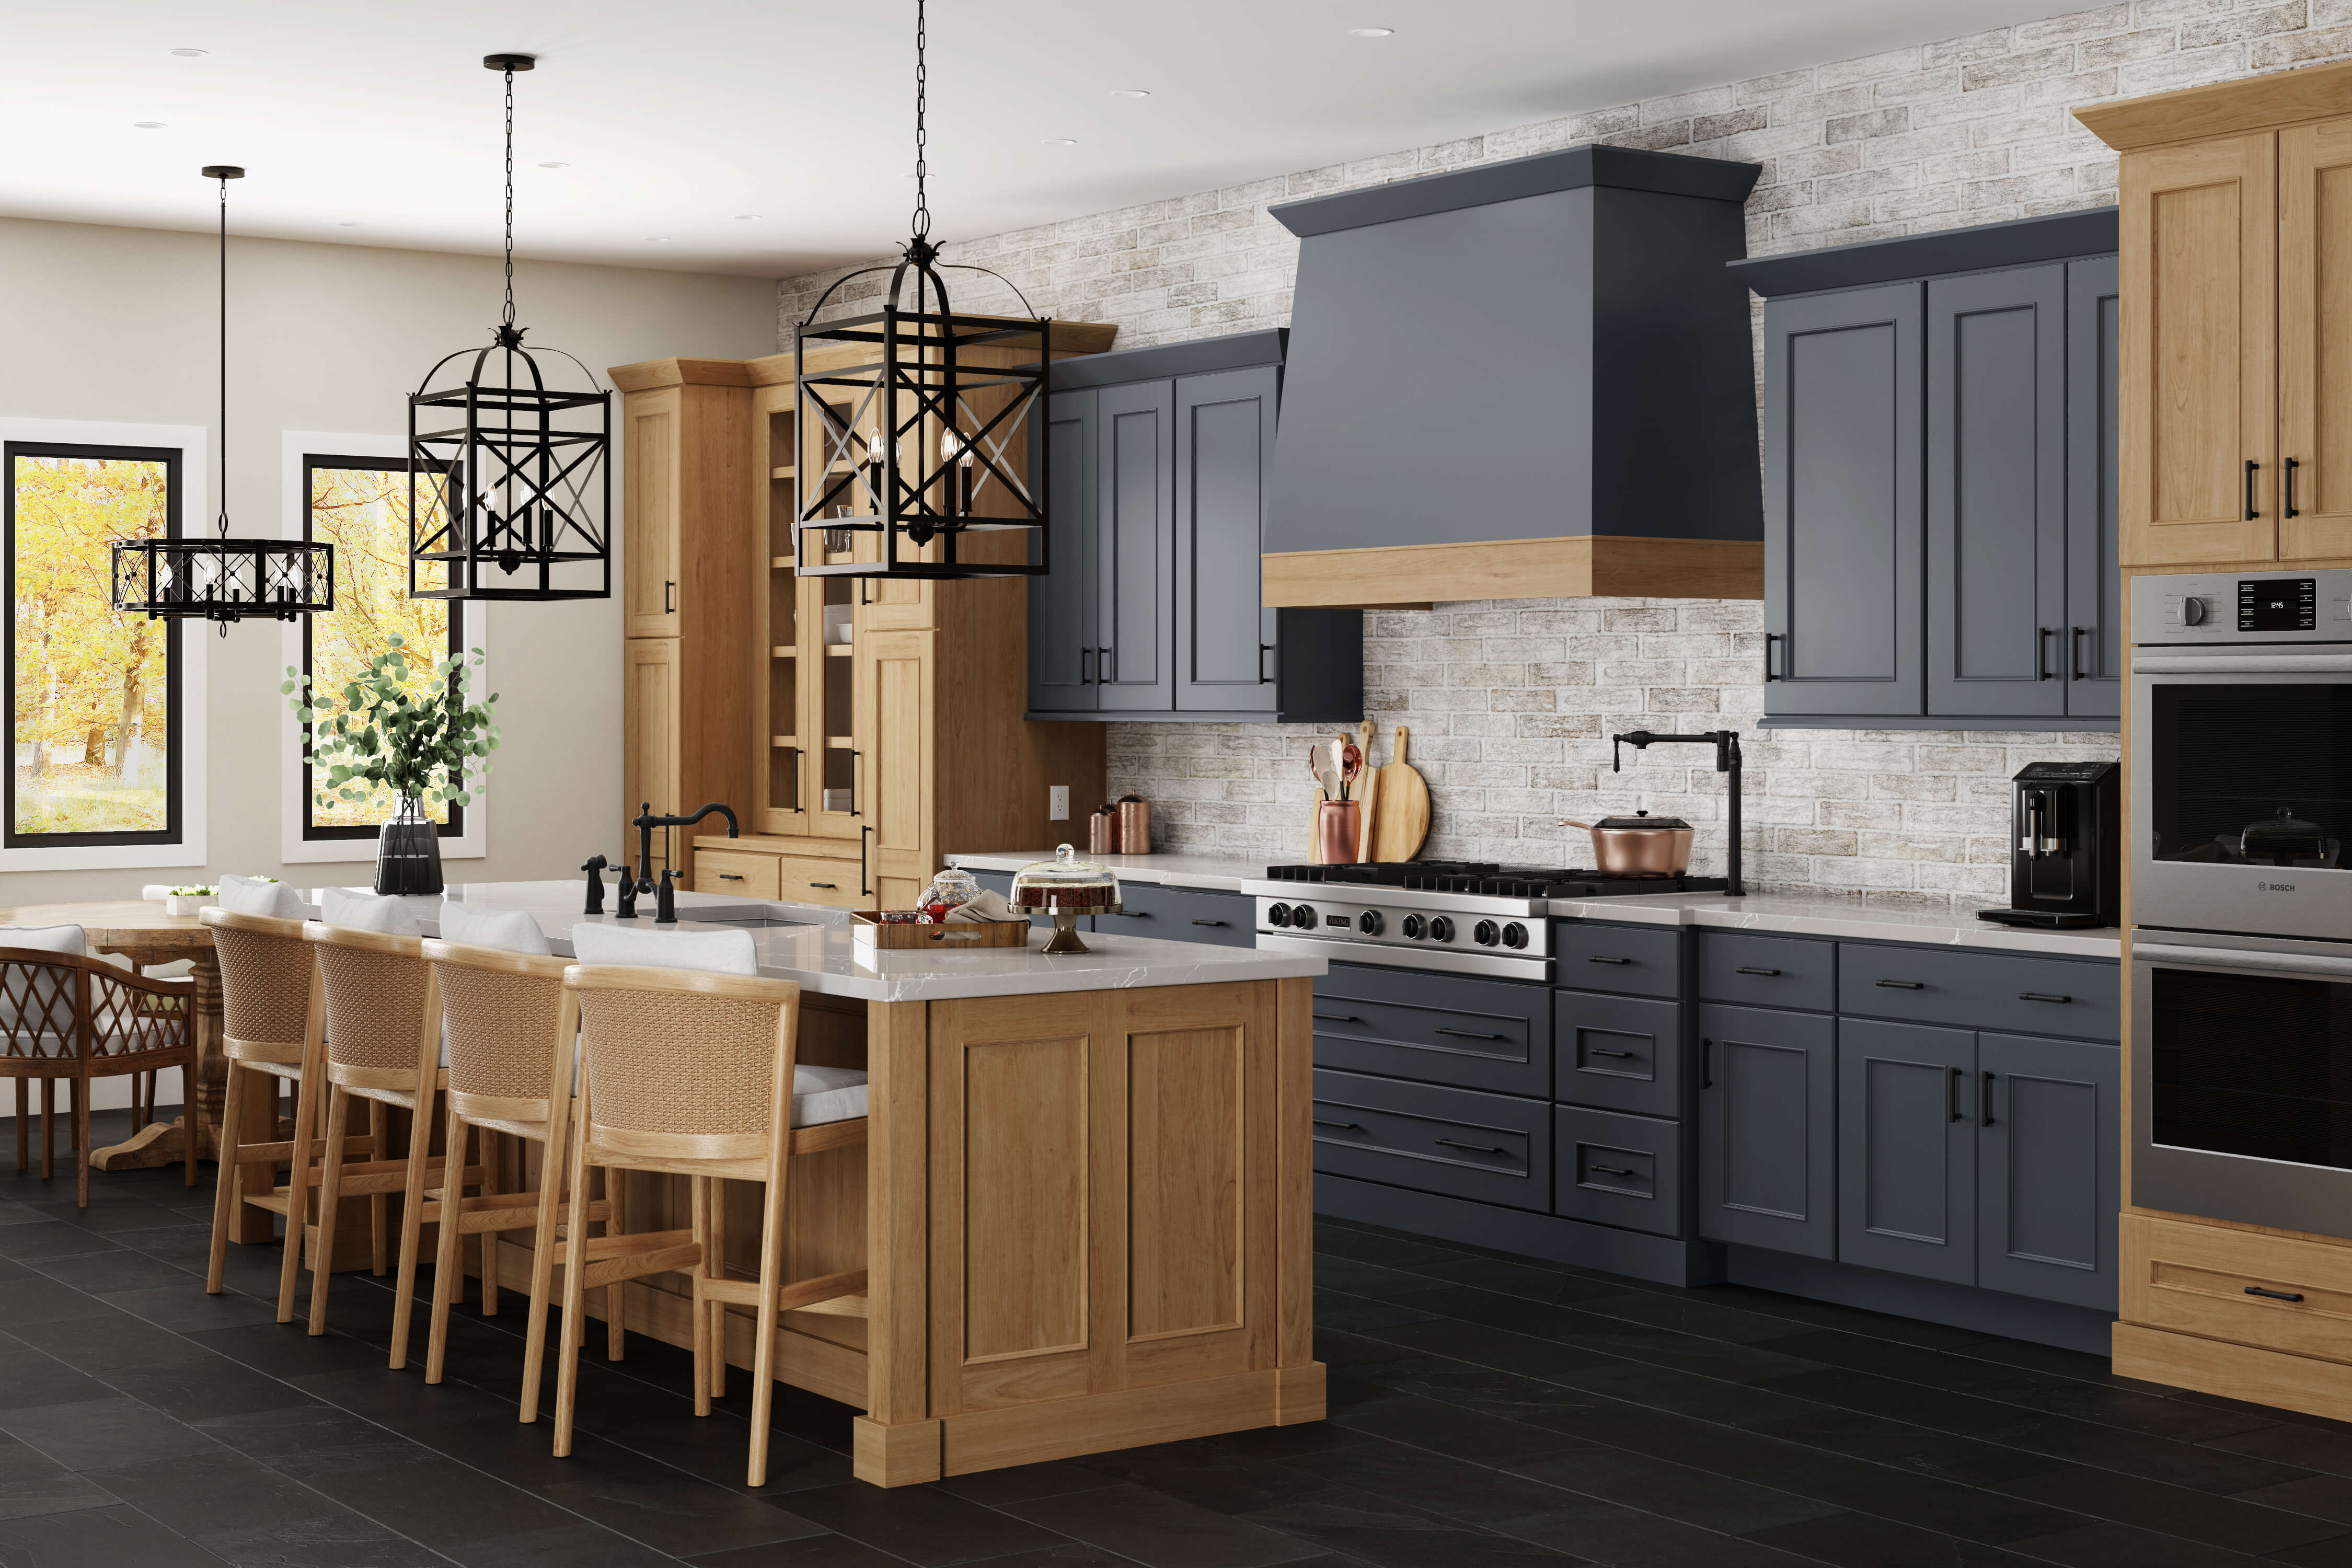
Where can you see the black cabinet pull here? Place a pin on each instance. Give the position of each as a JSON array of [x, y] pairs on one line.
[[1471, 1035], [1208, 923], [1605, 1051], [1596, 959], [2074, 635], [1952, 1096], [1706, 1063], [2253, 468], [1086, 675], [2042, 635], [2275, 1295], [1984, 1102], [2287, 507], [730, 876], [1770, 637], [1263, 649], [1127, 914], [865, 884], [1746, 969], [669, 598], [2041, 996], [1338, 1017], [1343, 1126], [1105, 664], [828, 886], [1903, 984], [1610, 1170], [1473, 1148]]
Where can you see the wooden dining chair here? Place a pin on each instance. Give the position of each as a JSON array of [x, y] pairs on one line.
[[384, 1049], [511, 1034], [691, 1075], [77, 1017]]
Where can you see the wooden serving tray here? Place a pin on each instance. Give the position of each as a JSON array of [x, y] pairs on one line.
[[951, 935]]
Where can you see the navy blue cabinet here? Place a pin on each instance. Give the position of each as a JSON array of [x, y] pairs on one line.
[[2094, 469], [1768, 1129], [1907, 1149], [1135, 547], [1061, 637], [1225, 643], [2049, 1167]]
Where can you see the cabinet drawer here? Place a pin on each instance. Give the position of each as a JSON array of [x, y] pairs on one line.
[[1991, 990], [1621, 1053], [1492, 1147], [1766, 971], [1642, 961], [1618, 1170], [1466, 1034], [2202, 1279], [833, 883], [1182, 914], [732, 871]]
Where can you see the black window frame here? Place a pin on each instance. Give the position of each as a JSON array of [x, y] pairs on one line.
[[174, 827], [312, 833]]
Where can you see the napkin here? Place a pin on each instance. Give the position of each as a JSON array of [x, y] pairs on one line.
[[989, 905]]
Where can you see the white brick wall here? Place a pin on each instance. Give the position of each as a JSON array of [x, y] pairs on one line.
[[1506, 700]]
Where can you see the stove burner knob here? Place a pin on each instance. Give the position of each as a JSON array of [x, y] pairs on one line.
[[1441, 929], [1369, 922], [1515, 936], [1277, 914], [1415, 926], [1487, 934]]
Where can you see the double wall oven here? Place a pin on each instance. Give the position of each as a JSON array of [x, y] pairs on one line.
[[2242, 897]]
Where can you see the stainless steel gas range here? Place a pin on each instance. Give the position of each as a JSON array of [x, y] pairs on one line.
[[1459, 917]]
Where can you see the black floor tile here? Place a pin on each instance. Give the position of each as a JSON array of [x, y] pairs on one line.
[[33, 1483], [922, 1524], [2333, 1552], [1160, 1530], [2322, 1497], [1450, 1429], [110, 1537], [1367, 1528], [116, 1269], [584, 1545], [2182, 1511], [1863, 1541], [818, 1551], [1674, 1491], [102, 1434], [48, 1237], [2105, 1545], [207, 1390], [29, 1377]]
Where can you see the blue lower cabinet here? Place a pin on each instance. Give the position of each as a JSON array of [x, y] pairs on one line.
[[2049, 1167], [1768, 1129], [1618, 1053], [1182, 914], [1492, 1147], [1491, 1034], [1638, 961], [1907, 1149], [1624, 1171]]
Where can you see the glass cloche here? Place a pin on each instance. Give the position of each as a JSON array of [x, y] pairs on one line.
[[1065, 888]]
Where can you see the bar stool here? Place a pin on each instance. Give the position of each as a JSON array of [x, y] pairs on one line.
[[383, 1047], [692, 1075], [511, 1031]]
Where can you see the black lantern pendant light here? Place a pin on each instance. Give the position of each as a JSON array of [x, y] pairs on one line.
[[508, 486], [223, 579], [918, 426]]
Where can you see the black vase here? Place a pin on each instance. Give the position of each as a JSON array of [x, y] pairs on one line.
[[408, 853]]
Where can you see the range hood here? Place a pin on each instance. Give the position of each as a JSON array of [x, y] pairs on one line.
[[1528, 379]]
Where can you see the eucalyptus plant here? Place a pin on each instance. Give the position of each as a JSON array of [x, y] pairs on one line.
[[422, 740]]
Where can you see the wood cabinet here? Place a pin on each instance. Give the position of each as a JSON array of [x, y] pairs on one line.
[[2315, 272], [1768, 1129]]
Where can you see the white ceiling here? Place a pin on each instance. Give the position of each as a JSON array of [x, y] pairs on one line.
[[372, 122]]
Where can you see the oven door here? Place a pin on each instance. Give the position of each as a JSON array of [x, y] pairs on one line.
[[2242, 1080], [2241, 790]]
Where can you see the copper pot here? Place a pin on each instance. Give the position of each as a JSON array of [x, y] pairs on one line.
[[1639, 846]]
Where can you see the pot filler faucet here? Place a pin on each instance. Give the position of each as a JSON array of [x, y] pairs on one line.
[[665, 898], [1727, 761]]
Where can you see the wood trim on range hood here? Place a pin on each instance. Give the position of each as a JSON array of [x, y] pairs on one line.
[[1577, 566]]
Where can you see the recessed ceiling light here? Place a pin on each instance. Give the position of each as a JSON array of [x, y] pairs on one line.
[[555, 165], [191, 54], [656, 239], [1372, 32], [147, 125], [1130, 92], [348, 226], [747, 218], [1059, 141]]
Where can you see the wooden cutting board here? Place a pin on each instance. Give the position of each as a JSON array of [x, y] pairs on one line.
[[1368, 792], [1405, 806]]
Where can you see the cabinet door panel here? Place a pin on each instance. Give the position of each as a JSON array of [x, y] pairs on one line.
[[1062, 602], [1768, 1129], [2095, 605], [2315, 338], [2049, 1168], [649, 559], [650, 751], [1135, 536], [2199, 351], [1907, 1149], [1224, 636], [1841, 501], [896, 720], [1995, 492]]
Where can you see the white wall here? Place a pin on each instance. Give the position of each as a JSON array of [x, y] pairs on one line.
[[118, 324]]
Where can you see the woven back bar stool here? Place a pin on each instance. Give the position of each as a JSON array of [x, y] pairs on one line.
[[511, 1032], [692, 1075], [383, 1047]]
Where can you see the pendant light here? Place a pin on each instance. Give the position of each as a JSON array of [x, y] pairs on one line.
[[913, 423], [223, 579], [510, 487]]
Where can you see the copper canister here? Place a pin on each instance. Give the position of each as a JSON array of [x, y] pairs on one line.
[[1102, 830], [1334, 832], [1134, 824]]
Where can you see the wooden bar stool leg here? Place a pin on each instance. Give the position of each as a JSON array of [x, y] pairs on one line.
[[616, 1295], [448, 1261], [23, 1122], [49, 1134], [330, 1192], [229, 1186], [412, 1211], [187, 1144], [80, 1093], [575, 1294], [700, 1188], [715, 1259], [551, 1172], [306, 1110], [380, 1204], [489, 1146]]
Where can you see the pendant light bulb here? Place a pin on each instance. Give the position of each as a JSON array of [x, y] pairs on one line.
[[875, 452]]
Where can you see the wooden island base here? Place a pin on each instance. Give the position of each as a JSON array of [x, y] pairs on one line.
[[1086, 1217]]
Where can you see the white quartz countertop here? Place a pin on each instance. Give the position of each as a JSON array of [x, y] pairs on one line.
[[1214, 872], [1798, 914]]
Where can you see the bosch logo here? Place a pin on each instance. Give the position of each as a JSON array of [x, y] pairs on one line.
[[2275, 887]]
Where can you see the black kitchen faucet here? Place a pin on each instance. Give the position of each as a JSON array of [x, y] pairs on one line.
[[1727, 761], [665, 901]]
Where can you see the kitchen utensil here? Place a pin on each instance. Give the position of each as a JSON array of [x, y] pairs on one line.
[[1102, 830], [1405, 806], [1368, 794], [1336, 823], [1351, 766], [1639, 846], [1320, 763], [1134, 824]]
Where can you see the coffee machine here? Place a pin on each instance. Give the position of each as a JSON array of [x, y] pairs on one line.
[[2065, 859]]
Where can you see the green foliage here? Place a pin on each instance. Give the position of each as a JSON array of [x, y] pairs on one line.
[[421, 740]]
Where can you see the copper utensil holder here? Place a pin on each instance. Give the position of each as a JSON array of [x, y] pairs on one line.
[[1334, 832], [1134, 824], [1102, 831]]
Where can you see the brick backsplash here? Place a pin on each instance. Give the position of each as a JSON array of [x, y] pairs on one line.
[[1509, 703]]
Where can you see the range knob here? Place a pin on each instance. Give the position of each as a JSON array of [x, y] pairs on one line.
[[1515, 936], [1487, 934], [1369, 922], [1277, 914], [1441, 929], [1415, 926]]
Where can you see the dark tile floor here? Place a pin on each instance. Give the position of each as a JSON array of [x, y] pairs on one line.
[[1485, 1409]]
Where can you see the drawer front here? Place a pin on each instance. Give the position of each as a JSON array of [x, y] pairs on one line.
[[2238, 1284], [2081, 997], [1644, 960], [1623, 1171], [1492, 1147], [1490, 1034], [803, 880], [1619, 1053], [1182, 914], [1766, 971], [1000, 884], [732, 871]]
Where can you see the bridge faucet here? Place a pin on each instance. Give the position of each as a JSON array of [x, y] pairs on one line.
[[645, 822]]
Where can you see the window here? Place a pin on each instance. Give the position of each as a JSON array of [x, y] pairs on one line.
[[360, 505], [95, 718]]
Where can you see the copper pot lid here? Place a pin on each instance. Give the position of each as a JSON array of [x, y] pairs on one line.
[[1641, 821]]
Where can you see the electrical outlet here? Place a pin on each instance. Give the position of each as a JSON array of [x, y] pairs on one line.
[[1058, 802]]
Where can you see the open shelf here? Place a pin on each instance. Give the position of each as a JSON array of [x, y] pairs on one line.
[[840, 742], [784, 650], [788, 740], [782, 563], [839, 650]]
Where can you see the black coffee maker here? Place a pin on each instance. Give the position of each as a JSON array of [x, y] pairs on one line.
[[2065, 861]]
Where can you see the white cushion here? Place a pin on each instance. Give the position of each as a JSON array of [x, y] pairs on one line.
[[510, 931], [52, 991], [713, 952], [827, 1094], [383, 913], [254, 896]]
